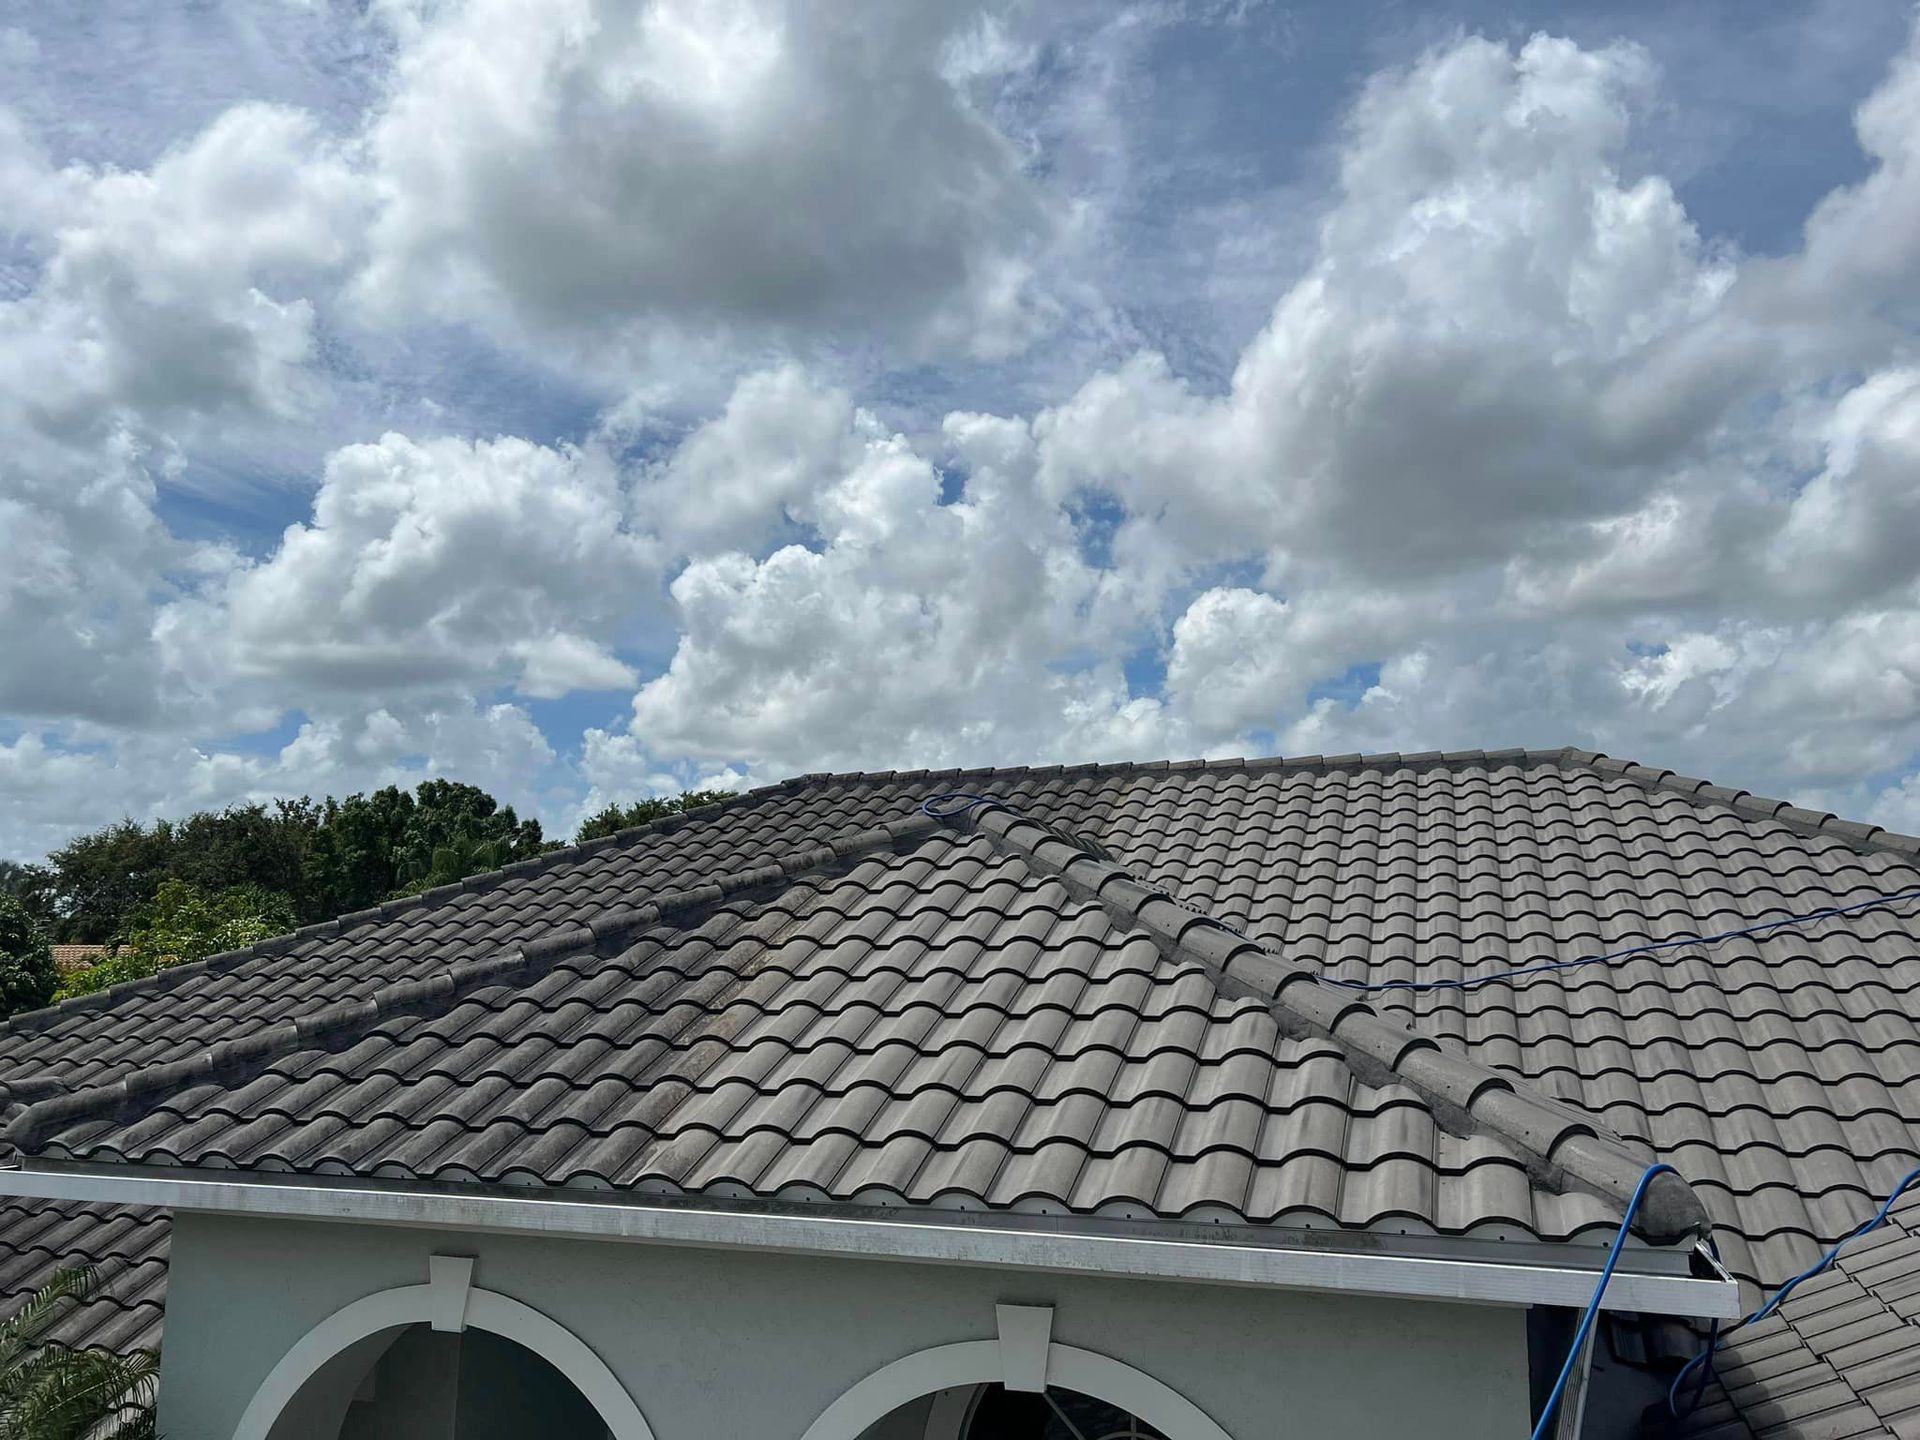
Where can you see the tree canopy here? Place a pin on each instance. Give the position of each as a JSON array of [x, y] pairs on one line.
[[183, 922], [322, 857], [27, 976], [175, 890], [624, 817]]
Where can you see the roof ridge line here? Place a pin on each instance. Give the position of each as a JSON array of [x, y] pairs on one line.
[[1426, 759], [28, 1021], [1558, 1143], [351, 1020], [1857, 833]]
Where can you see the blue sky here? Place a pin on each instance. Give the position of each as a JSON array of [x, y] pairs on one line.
[[614, 397]]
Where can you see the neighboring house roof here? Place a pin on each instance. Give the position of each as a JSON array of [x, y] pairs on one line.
[[1841, 1358], [68, 958], [983, 1013]]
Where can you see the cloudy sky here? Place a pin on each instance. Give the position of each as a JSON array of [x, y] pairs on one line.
[[604, 397]]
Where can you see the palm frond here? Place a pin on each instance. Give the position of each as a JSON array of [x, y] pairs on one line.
[[67, 1394], [29, 1325], [50, 1391]]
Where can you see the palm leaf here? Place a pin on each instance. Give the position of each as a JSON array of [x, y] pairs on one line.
[[51, 1391], [67, 1393]]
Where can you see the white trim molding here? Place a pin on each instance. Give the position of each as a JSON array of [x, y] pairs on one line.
[[1653, 1282], [977, 1362], [425, 1305]]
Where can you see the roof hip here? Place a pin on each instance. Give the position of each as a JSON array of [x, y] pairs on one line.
[[1562, 1146]]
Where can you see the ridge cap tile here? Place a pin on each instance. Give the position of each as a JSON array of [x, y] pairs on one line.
[[1535, 1124]]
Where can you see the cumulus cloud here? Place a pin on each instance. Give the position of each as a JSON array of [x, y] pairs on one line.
[[1854, 530], [744, 476], [171, 289], [54, 789], [1444, 382], [589, 166], [920, 627], [1451, 454], [430, 564], [156, 304], [1519, 455]]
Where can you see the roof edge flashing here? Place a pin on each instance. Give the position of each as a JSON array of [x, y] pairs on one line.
[[1458, 1271]]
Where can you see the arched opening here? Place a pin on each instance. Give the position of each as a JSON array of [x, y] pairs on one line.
[[993, 1412], [450, 1363], [957, 1392], [413, 1381]]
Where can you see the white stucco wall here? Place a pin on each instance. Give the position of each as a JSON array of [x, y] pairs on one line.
[[755, 1345]]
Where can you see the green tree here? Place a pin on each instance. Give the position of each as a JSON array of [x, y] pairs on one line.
[[368, 848], [50, 1391], [181, 923], [638, 812], [255, 845], [351, 862], [27, 976], [32, 886], [459, 830], [325, 857], [101, 877]]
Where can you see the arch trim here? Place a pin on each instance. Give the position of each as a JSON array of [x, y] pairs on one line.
[[415, 1304], [976, 1362]]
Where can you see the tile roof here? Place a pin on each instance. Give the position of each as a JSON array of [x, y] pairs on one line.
[[952, 1025], [126, 1245], [1841, 1358], [68, 958], [952, 1018]]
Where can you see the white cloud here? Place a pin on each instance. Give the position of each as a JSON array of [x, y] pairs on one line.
[[592, 167], [923, 630], [735, 481], [1450, 377], [53, 789], [428, 565], [153, 308], [1514, 433], [164, 290], [1854, 531]]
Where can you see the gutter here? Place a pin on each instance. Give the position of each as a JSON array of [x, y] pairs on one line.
[[1335, 1262]]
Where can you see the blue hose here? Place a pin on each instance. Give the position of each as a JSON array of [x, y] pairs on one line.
[[1718, 1338], [1659, 1167]]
